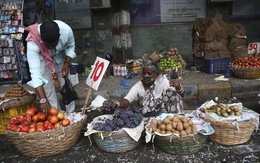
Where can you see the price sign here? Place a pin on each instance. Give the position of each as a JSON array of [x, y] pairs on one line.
[[253, 47], [96, 74]]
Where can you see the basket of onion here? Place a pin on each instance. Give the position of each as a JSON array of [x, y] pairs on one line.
[[54, 133]]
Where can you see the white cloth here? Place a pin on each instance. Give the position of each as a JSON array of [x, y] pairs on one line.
[[50, 89], [138, 91]]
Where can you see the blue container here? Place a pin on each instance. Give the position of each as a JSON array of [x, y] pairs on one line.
[[73, 68], [216, 65]]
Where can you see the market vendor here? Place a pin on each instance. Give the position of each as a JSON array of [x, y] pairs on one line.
[[155, 93], [50, 48]]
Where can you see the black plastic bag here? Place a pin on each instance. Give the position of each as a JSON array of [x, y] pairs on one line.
[[68, 93]]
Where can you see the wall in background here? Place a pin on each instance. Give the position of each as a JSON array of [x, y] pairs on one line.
[[98, 40]]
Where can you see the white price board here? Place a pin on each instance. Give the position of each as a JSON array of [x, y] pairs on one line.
[[96, 74], [254, 47]]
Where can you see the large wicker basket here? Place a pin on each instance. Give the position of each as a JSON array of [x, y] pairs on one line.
[[47, 143], [227, 134], [246, 73], [181, 145], [15, 102], [117, 142]]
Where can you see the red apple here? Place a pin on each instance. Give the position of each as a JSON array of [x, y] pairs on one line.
[[32, 129], [54, 119], [60, 116], [65, 122], [41, 116], [35, 118]]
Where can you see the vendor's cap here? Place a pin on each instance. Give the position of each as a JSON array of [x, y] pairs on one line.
[[50, 31]]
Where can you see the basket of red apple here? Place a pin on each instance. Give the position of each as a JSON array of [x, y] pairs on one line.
[[54, 133], [246, 68]]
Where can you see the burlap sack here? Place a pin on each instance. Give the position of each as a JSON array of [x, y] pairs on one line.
[[209, 29], [214, 45], [239, 52], [218, 54], [234, 43]]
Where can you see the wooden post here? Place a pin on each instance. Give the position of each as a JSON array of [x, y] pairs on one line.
[[87, 98]]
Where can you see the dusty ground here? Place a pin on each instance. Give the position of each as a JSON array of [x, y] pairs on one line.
[[83, 151], [145, 152]]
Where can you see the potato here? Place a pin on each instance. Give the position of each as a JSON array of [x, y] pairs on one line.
[[179, 127], [169, 117], [176, 117], [162, 126], [183, 133], [158, 130], [162, 132], [174, 125], [176, 132], [168, 127], [159, 122], [194, 129], [185, 125], [190, 122], [154, 128], [168, 132], [188, 130], [184, 119], [166, 121]]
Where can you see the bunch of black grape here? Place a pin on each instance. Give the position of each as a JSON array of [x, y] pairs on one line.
[[122, 118]]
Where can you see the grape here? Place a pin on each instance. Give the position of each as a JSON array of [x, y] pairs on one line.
[[121, 118], [99, 126]]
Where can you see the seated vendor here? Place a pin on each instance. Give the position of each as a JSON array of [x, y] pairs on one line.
[[154, 93]]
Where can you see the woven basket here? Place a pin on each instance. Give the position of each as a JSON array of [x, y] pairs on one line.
[[12, 103], [40, 144], [117, 142], [181, 145], [227, 134], [246, 73]]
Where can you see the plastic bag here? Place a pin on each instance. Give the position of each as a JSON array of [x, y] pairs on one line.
[[68, 93]]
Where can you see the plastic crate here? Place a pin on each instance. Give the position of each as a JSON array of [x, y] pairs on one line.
[[5, 116], [216, 65]]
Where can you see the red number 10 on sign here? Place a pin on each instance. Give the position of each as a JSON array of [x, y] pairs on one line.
[[98, 69], [97, 72]]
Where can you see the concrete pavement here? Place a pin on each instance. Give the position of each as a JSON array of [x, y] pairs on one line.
[[199, 87]]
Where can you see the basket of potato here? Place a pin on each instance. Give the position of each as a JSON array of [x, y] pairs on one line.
[[177, 134]]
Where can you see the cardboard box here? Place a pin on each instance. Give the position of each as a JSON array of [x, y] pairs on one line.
[[154, 56]]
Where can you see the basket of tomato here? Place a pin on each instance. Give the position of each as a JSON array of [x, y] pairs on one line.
[[54, 133], [246, 68]]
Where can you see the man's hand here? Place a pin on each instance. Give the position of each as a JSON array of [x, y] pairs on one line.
[[65, 70], [45, 107]]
